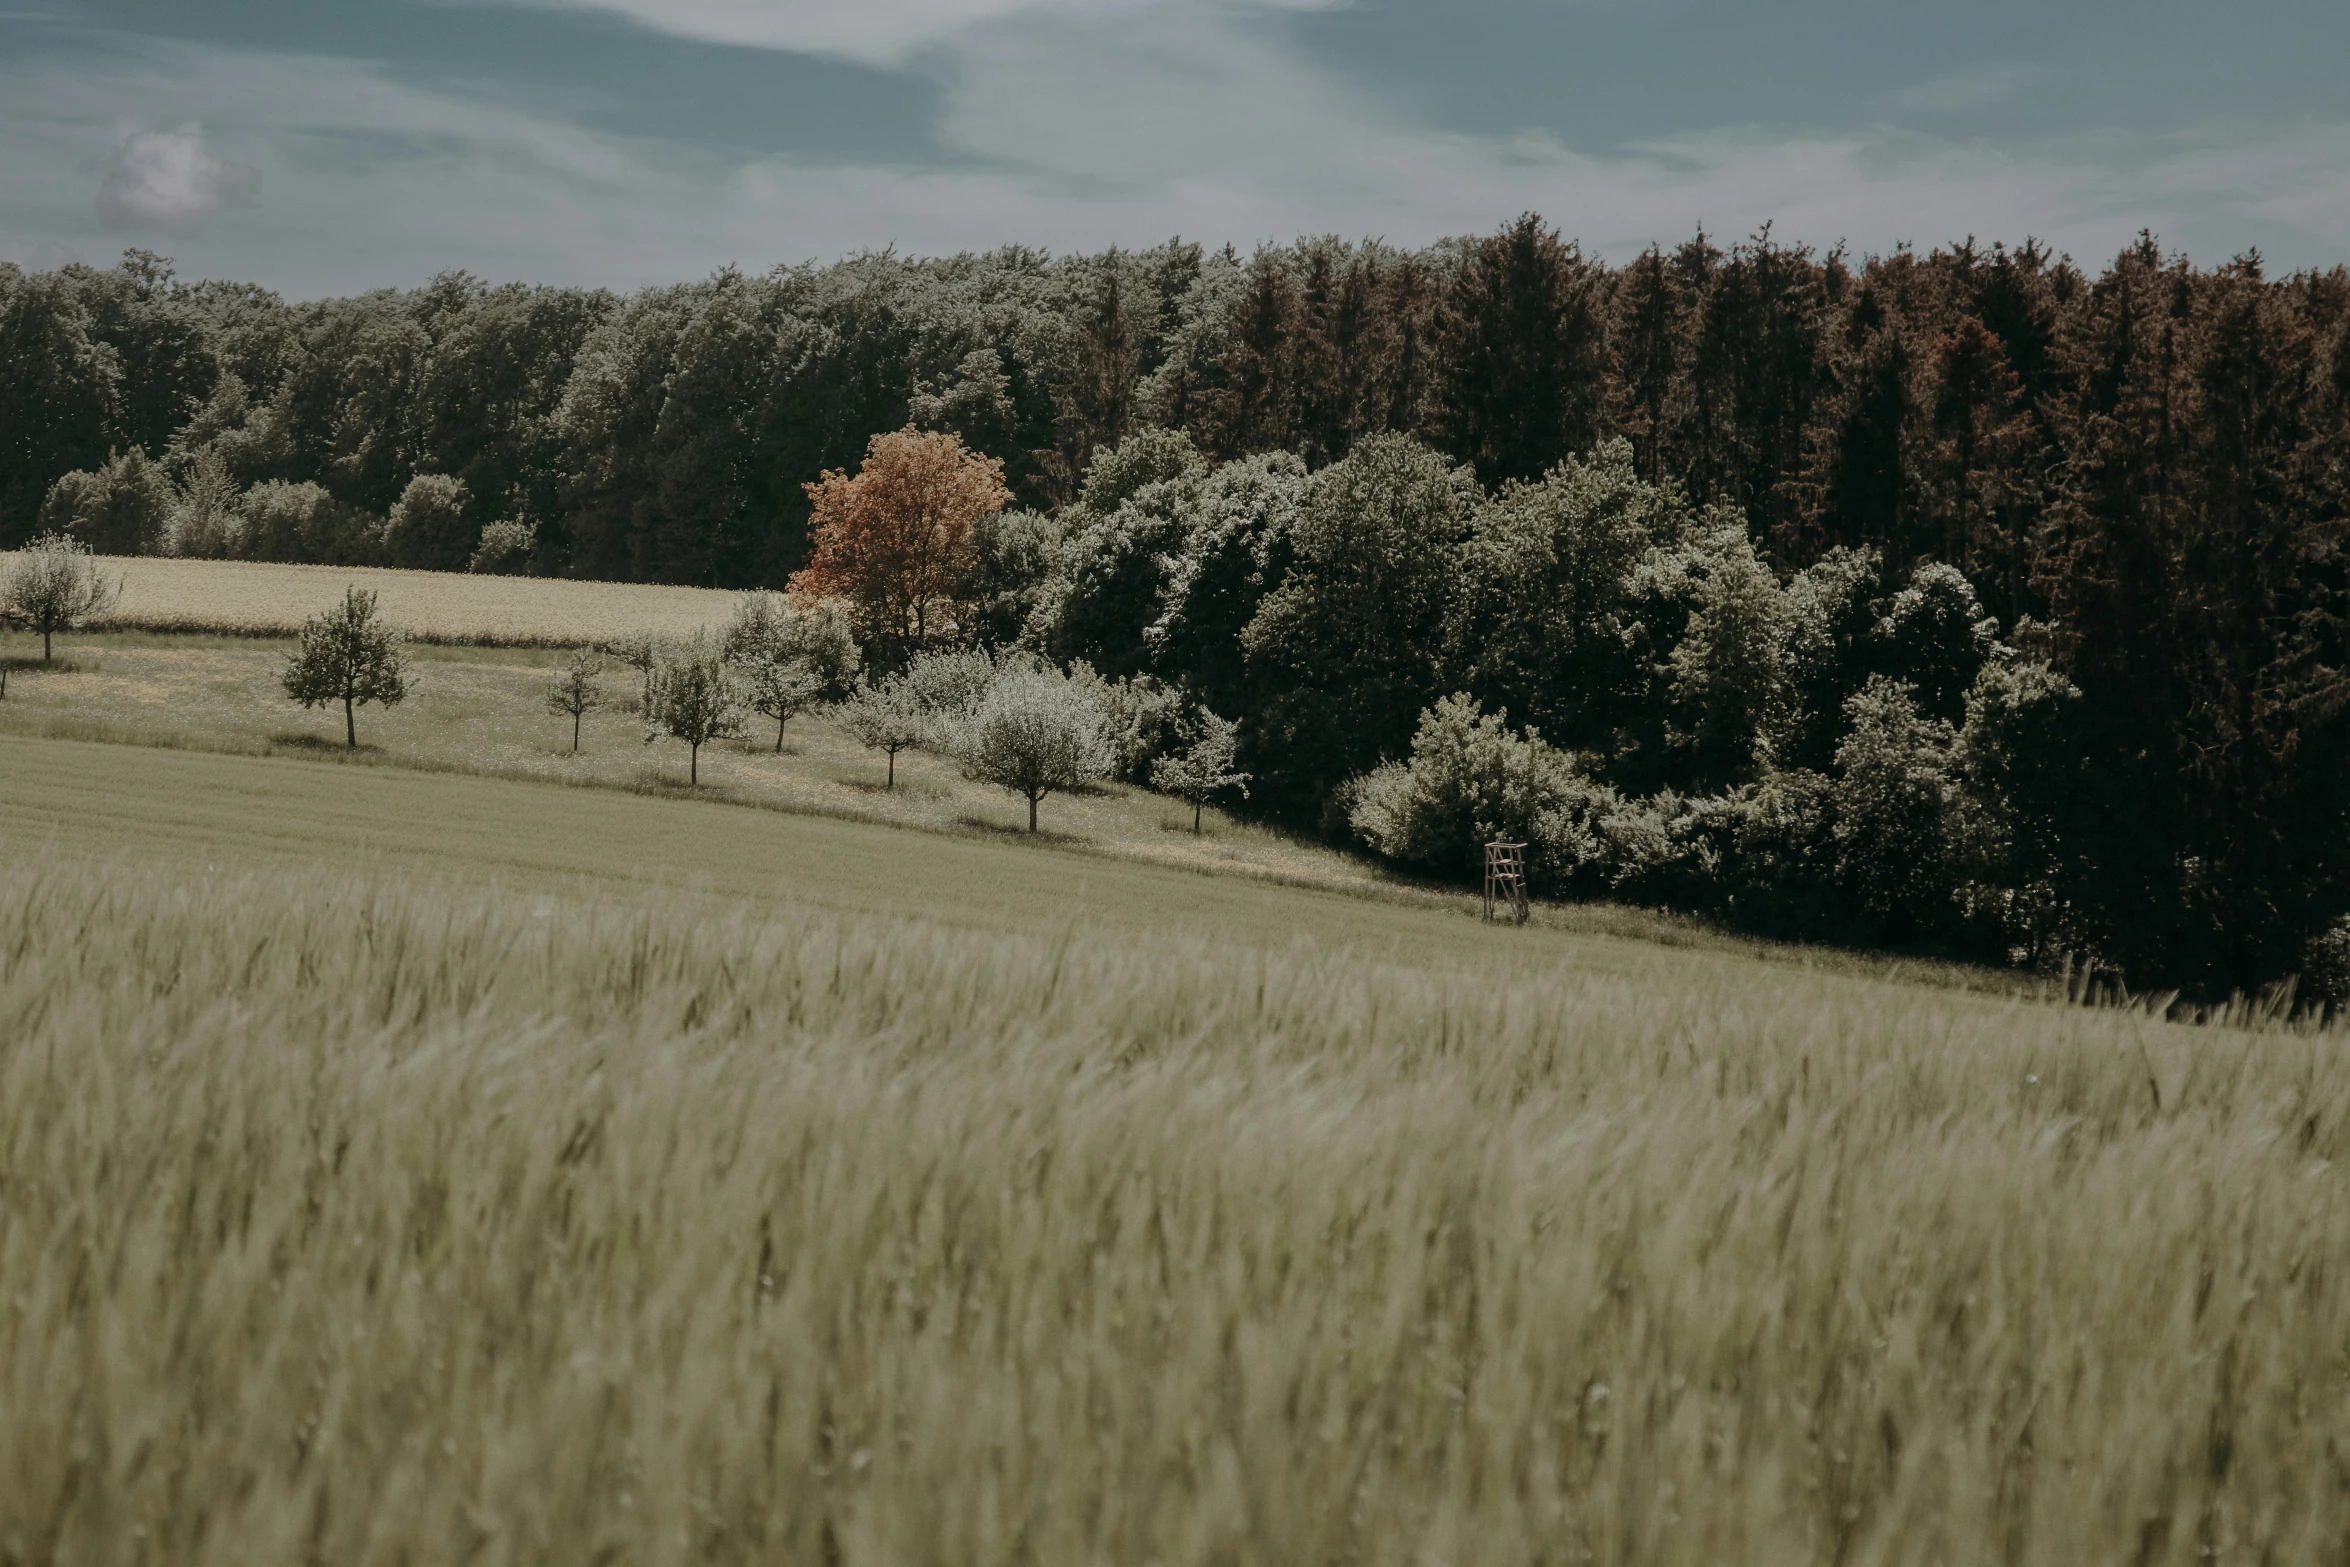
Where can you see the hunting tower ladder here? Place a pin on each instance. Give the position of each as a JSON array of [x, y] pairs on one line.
[[1505, 879]]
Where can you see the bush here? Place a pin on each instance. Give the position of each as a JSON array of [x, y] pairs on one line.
[[302, 522], [124, 508], [505, 550], [945, 687], [1471, 780], [429, 529], [1898, 813]]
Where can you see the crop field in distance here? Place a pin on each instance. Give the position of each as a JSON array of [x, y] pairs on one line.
[[246, 598], [409, 1166]]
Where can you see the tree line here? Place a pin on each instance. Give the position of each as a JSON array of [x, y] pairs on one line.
[[1698, 521]]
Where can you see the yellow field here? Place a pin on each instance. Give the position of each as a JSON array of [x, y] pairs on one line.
[[248, 597]]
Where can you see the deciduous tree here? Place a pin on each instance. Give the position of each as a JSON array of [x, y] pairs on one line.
[[54, 586], [349, 656], [1205, 767], [577, 689], [888, 717], [695, 696], [894, 540], [1036, 731]]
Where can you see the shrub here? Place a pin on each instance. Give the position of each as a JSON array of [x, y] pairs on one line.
[[1472, 780], [302, 522], [1897, 812], [124, 508], [428, 530], [505, 549], [946, 687]]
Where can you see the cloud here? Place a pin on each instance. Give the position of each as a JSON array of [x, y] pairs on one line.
[[170, 180], [880, 32], [1120, 128]]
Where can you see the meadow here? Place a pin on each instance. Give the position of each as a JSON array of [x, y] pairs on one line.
[[416, 1166], [480, 710], [261, 598]]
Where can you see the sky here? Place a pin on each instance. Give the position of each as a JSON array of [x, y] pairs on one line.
[[328, 146]]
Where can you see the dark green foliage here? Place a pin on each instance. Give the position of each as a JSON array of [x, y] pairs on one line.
[[1242, 477], [1348, 648], [430, 528], [123, 508], [1549, 624]]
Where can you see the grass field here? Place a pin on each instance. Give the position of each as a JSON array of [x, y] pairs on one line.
[[414, 1167], [480, 710], [247, 598]]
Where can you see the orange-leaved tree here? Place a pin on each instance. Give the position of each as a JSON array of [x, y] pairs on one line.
[[894, 540]]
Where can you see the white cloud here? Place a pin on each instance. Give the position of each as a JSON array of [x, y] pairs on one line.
[[875, 31], [170, 180]]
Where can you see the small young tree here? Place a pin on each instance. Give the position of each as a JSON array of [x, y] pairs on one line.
[[766, 626], [577, 690], [695, 697], [888, 717], [53, 585], [781, 689], [348, 656], [946, 687], [642, 654], [1204, 769], [1035, 731]]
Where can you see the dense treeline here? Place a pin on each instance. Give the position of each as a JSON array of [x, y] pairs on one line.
[[1965, 600]]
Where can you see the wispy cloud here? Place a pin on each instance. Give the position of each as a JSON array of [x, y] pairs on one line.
[[875, 31], [1122, 126]]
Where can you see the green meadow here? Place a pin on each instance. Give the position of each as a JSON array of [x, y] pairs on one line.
[[422, 1166]]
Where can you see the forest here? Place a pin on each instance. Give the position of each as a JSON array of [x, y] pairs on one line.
[[1967, 602]]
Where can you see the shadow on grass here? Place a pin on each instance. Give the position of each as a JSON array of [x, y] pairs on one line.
[[1043, 834], [31, 664], [323, 745]]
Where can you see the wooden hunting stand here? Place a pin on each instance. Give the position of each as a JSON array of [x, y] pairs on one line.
[[1505, 879]]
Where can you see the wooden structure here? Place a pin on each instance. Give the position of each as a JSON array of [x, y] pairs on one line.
[[1505, 879]]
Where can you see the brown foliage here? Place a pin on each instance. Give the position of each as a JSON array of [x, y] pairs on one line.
[[893, 540]]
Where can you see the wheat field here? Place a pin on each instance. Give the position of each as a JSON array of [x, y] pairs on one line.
[[368, 1197], [255, 598]]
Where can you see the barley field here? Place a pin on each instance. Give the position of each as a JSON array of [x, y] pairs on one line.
[[248, 598], [404, 1167]]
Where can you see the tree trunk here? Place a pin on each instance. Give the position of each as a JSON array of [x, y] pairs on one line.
[[44, 646], [1195, 810], [693, 766], [893, 771], [1032, 813], [779, 723], [575, 718], [350, 725]]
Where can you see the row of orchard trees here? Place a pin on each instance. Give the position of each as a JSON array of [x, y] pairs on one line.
[[1016, 721]]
